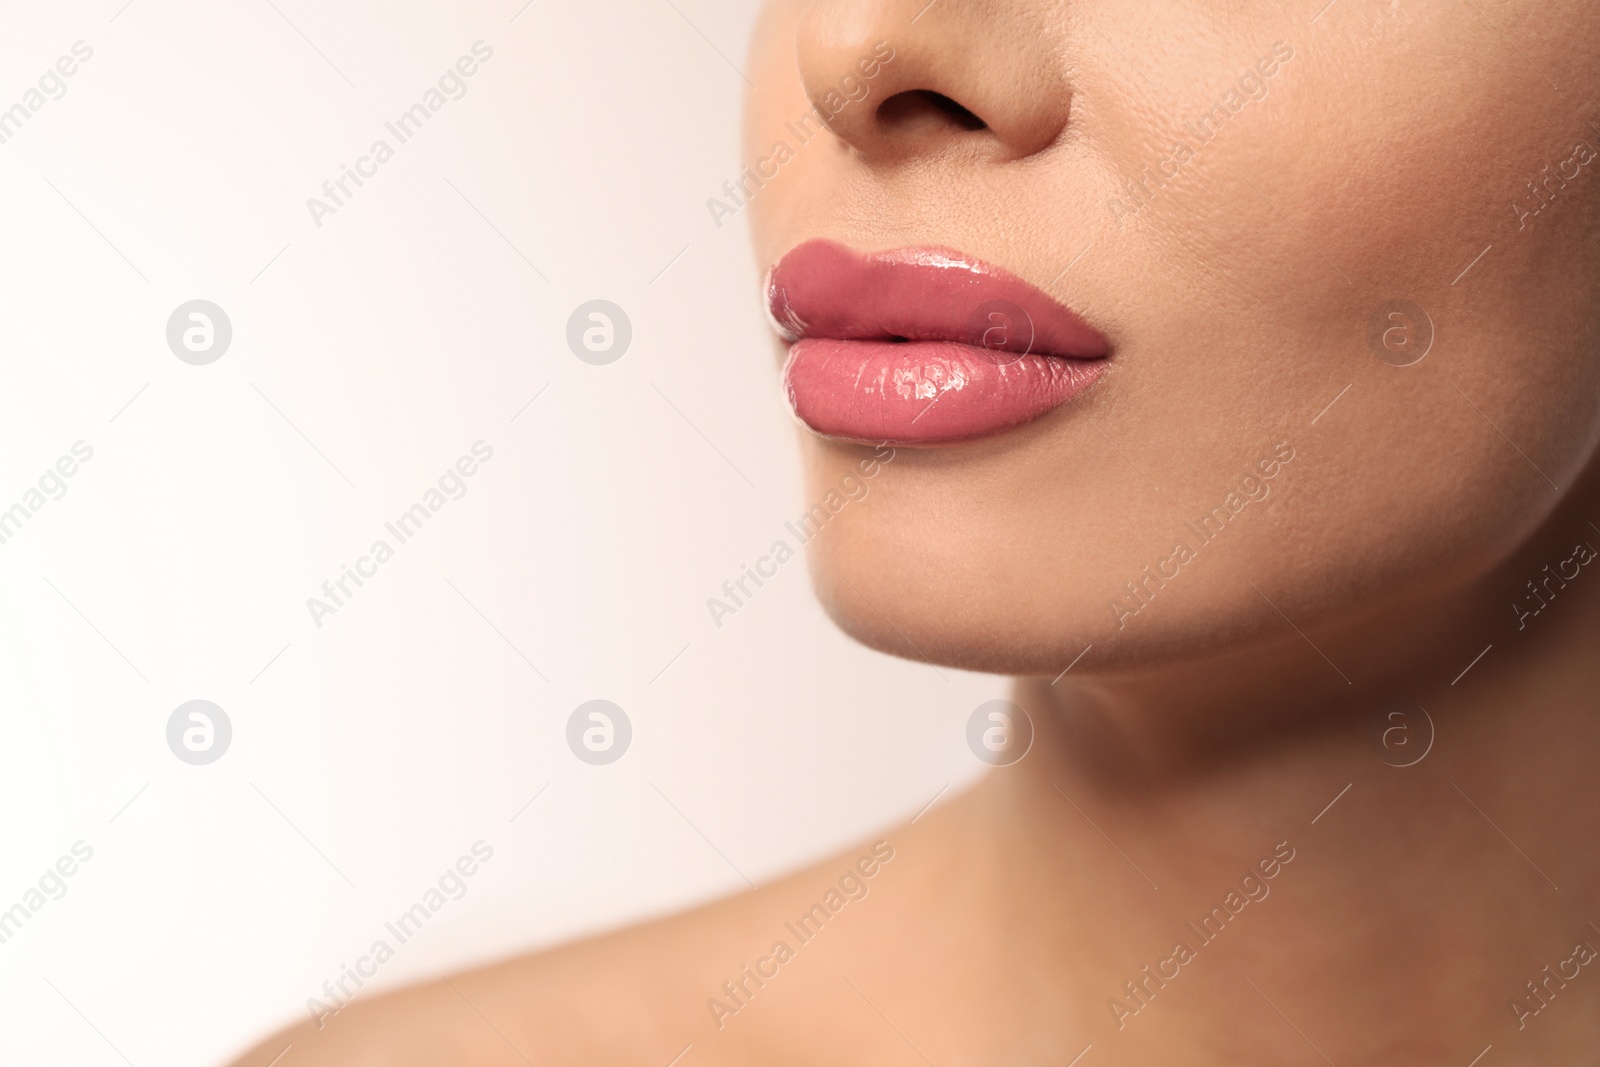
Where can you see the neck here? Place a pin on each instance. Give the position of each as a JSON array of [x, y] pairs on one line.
[[1443, 892]]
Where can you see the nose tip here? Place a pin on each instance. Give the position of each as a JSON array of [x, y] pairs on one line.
[[900, 78]]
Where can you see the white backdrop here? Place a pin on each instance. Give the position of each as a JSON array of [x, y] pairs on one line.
[[367, 355]]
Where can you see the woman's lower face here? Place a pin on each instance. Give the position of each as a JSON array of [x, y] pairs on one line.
[[1341, 268]]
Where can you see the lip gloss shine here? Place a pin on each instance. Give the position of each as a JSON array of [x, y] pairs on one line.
[[922, 346]]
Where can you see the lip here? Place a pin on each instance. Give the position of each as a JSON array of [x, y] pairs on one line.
[[922, 346]]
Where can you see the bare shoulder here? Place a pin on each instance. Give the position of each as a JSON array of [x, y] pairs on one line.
[[644, 994]]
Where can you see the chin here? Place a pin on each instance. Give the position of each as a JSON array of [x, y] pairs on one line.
[[959, 642], [946, 598]]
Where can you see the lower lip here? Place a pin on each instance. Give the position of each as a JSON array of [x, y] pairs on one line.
[[925, 392]]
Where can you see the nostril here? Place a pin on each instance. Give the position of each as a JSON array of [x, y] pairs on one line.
[[912, 106]]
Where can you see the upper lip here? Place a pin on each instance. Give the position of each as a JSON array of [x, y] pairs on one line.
[[824, 289]]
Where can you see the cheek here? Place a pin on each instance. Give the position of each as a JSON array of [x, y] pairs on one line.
[[1242, 300], [1440, 468], [1282, 245]]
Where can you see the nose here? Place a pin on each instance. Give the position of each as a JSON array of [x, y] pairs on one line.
[[896, 79]]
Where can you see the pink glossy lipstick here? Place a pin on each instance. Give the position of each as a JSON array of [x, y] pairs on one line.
[[922, 346]]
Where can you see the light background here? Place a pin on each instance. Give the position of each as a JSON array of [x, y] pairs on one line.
[[368, 354]]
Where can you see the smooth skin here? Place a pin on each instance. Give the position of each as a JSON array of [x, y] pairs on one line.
[[1219, 717]]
